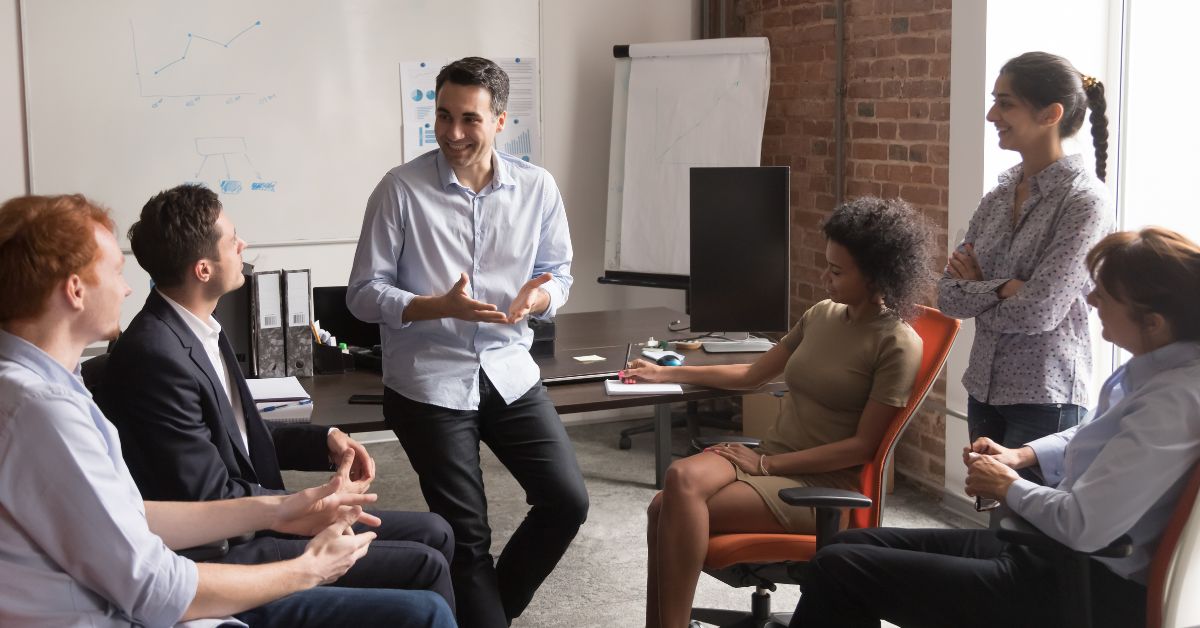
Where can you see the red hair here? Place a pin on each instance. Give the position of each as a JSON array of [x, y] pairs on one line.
[[45, 240]]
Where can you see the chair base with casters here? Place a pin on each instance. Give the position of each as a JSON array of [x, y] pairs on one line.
[[739, 551]]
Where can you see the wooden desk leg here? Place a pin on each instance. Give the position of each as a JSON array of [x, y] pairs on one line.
[[662, 442]]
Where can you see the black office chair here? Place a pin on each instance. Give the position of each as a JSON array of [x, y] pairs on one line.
[[693, 419], [92, 372]]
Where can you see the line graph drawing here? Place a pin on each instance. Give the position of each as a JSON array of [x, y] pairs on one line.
[[192, 37], [150, 83], [220, 150]]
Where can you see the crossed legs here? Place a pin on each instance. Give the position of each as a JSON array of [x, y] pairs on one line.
[[701, 495]]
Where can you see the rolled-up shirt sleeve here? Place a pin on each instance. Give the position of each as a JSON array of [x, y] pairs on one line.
[[554, 251], [373, 295], [60, 485]]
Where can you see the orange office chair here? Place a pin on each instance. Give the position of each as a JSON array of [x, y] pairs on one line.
[[762, 560], [1074, 567]]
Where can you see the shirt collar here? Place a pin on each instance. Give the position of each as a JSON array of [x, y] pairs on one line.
[[204, 331], [20, 351], [501, 174], [1140, 369], [1066, 164]]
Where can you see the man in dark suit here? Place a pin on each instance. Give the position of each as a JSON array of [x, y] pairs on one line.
[[190, 427]]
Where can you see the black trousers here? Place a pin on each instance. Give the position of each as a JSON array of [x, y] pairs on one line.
[[528, 438], [951, 578], [413, 550]]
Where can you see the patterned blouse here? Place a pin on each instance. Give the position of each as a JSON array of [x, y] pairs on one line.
[[1033, 347]]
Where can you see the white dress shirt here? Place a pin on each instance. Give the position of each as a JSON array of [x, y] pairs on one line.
[[1122, 471], [421, 229], [209, 334]]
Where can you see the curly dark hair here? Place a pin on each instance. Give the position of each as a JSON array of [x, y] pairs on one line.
[[889, 240], [176, 228]]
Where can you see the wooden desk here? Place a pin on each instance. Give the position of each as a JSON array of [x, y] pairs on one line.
[[573, 331]]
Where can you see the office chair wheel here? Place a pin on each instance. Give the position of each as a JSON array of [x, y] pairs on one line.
[[625, 442]]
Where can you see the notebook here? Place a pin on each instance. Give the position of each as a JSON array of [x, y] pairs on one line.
[[615, 387]]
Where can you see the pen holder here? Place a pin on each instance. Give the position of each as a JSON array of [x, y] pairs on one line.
[[329, 360]]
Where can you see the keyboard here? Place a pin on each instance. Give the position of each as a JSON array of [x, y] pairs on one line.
[[738, 346]]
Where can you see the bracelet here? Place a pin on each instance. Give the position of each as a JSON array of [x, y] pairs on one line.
[[762, 469]]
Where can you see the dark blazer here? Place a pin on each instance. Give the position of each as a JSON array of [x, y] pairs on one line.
[[178, 434]]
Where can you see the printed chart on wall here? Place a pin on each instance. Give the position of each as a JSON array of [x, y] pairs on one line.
[[289, 109], [522, 133]]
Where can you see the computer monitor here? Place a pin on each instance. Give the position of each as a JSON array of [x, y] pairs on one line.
[[329, 307], [233, 313], [740, 244]]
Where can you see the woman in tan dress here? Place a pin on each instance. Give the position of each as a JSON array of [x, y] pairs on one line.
[[849, 365]]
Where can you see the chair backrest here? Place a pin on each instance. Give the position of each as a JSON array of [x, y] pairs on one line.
[[1166, 590], [937, 332], [92, 372]]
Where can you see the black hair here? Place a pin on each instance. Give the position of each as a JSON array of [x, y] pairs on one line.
[[177, 227], [889, 241], [1042, 79], [479, 72]]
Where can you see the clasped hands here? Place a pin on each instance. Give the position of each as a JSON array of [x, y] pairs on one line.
[[990, 468], [457, 304]]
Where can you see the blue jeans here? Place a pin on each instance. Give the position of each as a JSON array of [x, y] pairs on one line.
[[1014, 425], [330, 607]]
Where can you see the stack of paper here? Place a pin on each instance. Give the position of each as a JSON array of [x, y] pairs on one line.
[[615, 387], [281, 399]]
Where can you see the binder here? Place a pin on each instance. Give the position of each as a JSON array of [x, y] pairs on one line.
[[297, 312], [268, 324]]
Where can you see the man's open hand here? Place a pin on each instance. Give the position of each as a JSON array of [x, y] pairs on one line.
[[530, 298]]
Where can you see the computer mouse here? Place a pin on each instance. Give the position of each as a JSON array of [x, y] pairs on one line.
[[669, 360]]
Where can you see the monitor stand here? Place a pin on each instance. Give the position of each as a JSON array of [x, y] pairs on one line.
[[736, 342]]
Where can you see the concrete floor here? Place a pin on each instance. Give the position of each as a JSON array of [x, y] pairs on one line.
[[601, 579]]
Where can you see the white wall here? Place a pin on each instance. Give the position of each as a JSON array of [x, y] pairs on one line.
[[985, 35], [577, 79], [12, 129]]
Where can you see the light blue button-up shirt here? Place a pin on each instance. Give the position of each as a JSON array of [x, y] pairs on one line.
[[1122, 471], [421, 229], [75, 547]]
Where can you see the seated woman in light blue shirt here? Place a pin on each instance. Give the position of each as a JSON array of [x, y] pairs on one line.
[[1119, 472]]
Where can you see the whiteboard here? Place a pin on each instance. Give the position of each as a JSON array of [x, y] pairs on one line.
[[677, 105], [289, 109]]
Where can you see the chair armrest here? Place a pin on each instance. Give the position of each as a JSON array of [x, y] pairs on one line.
[[703, 442], [206, 552], [823, 497], [1014, 529]]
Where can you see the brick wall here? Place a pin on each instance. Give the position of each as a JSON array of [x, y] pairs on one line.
[[897, 129]]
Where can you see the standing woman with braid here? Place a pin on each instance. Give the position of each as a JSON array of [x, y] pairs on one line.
[[1020, 272]]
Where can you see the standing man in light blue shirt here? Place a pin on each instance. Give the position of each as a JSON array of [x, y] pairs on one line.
[[458, 248]]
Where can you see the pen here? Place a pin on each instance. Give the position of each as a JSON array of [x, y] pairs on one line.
[[628, 351], [302, 402]]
